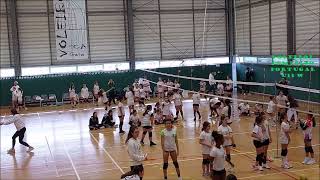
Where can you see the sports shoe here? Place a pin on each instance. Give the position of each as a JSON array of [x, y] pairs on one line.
[[266, 166], [11, 151], [260, 168], [30, 149], [121, 132], [180, 178], [311, 161], [152, 143], [305, 161], [287, 166]]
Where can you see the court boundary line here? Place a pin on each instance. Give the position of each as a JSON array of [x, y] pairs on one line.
[[106, 152], [54, 161], [70, 159], [261, 175]]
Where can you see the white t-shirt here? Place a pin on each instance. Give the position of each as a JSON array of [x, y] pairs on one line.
[[170, 84], [177, 85], [142, 93], [177, 99], [84, 92], [271, 107], [213, 101], [96, 89], [130, 98], [307, 133], [211, 79], [219, 157], [160, 86], [14, 89], [284, 128], [225, 131], [19, 95], [146, 119], [196, 98], [104, 97], [244, 108], [120, 109], [208, 140], [265, 130], [258, 131], [220, 88], [72, 93], [134, 119], [166, 108], [282, 100], [169, 139], [225, 111], [136, 92]]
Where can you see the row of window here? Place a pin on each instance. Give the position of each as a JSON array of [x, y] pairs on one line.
[[120, 66]]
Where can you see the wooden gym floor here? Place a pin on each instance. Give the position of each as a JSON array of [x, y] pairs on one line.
[[65, 149]]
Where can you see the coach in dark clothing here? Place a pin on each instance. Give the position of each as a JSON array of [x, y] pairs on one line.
[[107, 120], [94, 122]]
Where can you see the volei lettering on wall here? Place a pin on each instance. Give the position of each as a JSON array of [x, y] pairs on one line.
[[61, 23]]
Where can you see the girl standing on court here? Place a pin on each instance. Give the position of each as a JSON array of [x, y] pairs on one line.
[[206, 141], [13, 90], [226, 131], [170, 146], [160, 89], [257, 135], [166, 109], [217, 156], [307, 126], [202, 87], [96, 90], [147, 123], [226, 111], [21, 130], [19, 94], [220, 89], [134, 149], [130, 99], [177, 103], [196, 104], [121, 114], [271, 110], [85, 93], [142, 95], [73, 95], [292, 111], [266, 140], [284, 140]]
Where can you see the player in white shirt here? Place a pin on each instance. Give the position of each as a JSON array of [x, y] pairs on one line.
[[307, 126], [160, 88], [96, 90], [13, 90], [142, 95], [212, 82], [134, 149], [226, 111], [85, 93], [226, 131], [196, 105], [121, 115], [206, 141], [147, 123], [244, 109], [134, 119], [258, 109], [170, 146], [177, 85], [214, 104], [258, 138], [136, 92], [170, 87], [202, 87], [177, 98], [228, 87], [146, 87], [271, 110], [292, 111], [281, 102], [130, 99], [166, 111], [19, 94], [267, 139], [158, 117], [21, 129], [217, 156], [220, 89], [73, 95], [284, 140]]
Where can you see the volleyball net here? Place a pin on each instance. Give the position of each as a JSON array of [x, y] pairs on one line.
[[259, 93]]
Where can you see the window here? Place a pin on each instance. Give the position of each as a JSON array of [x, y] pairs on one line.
[[116, 67], [215, 60], [147, 64], [250, 59], [90, 68], [7, 73], [239, 59], [164, 64], [34, 71], [62, 69], [265, 60]]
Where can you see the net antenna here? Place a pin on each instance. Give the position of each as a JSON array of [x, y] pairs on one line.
[[204, 30]]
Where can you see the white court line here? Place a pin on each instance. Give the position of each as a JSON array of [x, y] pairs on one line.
[[288, 171], [69, 157], [107, 154], [54, 161]]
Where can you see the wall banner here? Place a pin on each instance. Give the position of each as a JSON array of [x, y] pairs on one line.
[[71, 29]]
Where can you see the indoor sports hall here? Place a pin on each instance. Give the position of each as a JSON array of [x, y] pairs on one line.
[[159, 89]]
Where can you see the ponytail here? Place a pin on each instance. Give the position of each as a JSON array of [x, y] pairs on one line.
[[132, 128], [205, 125]]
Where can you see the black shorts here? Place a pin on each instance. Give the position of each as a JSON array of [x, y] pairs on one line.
[[196, 105], [266, 142], [218, 173], [147, 127], [140, 166], [257, 144]]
